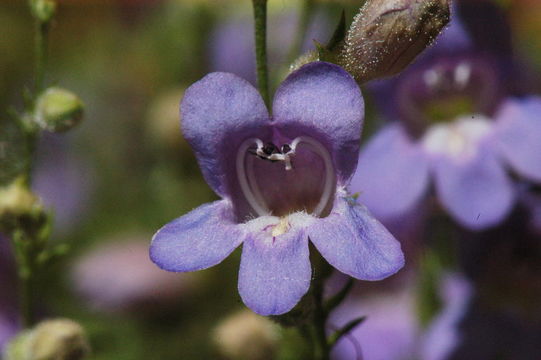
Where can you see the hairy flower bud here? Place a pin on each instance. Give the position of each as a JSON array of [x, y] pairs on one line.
[[248, 336], [16, 199], [304, 59], [43, 10], [58, 110], [57, 339], [387, 35]]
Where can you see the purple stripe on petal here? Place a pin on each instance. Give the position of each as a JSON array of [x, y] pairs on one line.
[[392, 174], [476, 190], [198, 240], [323, 101], [518, 136], [218, 113], [355, 243], [275, 271]]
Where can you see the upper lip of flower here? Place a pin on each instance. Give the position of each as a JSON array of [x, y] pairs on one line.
[[470, 79], [232, 147], [282, 182]]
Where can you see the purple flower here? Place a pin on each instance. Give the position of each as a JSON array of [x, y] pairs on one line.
[[282, 181], [392, 330], [456, 131], [442, 335], [118, 276]]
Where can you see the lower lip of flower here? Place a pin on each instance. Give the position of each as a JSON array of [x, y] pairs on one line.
[[281, 178]]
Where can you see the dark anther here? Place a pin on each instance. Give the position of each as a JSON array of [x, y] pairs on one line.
[[286, 148], [270, 149]]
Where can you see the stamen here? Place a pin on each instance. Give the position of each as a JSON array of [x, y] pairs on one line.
[[281, 228], [253, 183], [271, 152], [255, 200], [270, 149], [316, 147]]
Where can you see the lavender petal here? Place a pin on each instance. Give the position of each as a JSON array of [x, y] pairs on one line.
[[198, 240]]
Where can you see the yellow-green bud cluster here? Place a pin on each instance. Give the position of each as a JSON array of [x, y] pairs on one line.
[[16, 200], [58, 339], [58, 109], [43, 10], [246, 336]]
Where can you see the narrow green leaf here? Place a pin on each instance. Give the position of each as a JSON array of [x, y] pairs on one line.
[[333, 339], [339, 33], [337, 299]]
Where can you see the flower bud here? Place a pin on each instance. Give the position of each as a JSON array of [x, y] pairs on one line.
[[58, 110], [43, 10], [303, 60], [16, 348], [57, 339], [387, 35], [246, 336], [16, 199]]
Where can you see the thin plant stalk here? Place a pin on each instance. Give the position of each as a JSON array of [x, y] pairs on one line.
[[260, 27], [41, 55], [26, 237]]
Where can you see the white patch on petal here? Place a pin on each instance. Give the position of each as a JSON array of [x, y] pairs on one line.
[[270, 229], [459, 139], [282, 227]]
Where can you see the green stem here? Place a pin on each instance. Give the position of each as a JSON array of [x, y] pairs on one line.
[[26, 233], [260, 25], [24, 245], [31, 144], [27, 300], [41, 56], [320, 321], [304, 330], [305, 16]]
